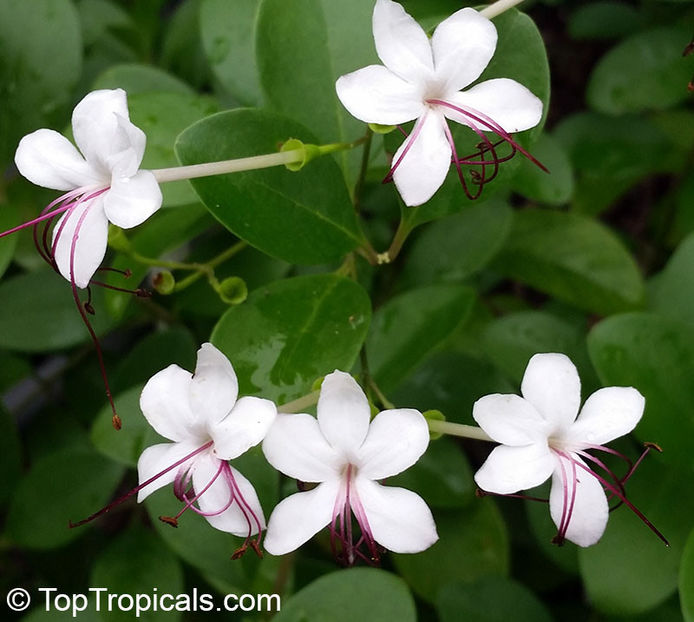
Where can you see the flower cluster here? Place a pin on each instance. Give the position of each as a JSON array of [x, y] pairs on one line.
[[346, 454]]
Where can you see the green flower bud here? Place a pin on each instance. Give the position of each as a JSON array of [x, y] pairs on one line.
[[163, 282], [233, 290], [309, 152]]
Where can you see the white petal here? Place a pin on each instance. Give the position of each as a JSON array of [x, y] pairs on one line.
[[104, 134], [343, 413], [506, 102], [48, 159], [299, 517], [401, 43], [509, 419], [399, 519], [156, 459], [242, 514], [510, 469], [590, 511], [295, 446], [214, 388], [463, 45], [396, 440], [551, 384], [166, 406], [375, 94], [244, 427], [79, 240], [132, 200], [607, 414], [424, 167]]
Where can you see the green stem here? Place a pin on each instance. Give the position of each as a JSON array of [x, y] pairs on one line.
[[208, 268], [299, 404], [458, 429], [498, 8], [401, 235]]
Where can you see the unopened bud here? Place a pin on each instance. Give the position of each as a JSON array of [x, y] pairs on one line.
[[233, 290], [164, 282]]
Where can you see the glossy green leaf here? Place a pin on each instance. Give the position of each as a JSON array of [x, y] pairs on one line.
[[672, 294], [31, 96], [291, 332], [686, 583], [630, 570], [162, 117], [348, 595], [10, 455], [411, 326], [228, 33], [302, 48], [303, 217], [574, 258], [491, 599], [69, 484], [135, 79], [655, 355], [472, 544], [553, 188], [35, 305], [453, 248], [644, 72], [138, 563]]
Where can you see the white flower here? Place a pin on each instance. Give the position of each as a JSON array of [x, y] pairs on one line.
[[208, 427], [345, 455], [422, 79], [103, 182], [543, 435]]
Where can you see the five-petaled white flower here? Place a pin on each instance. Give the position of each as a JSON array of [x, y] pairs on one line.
[[200, 413], [422, 80], [543, 435], [345, 454], [103, 182]]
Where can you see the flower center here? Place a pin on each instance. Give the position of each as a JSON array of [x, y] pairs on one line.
[[342, 538]]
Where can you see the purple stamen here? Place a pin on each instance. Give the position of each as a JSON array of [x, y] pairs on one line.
[[410, 141], [138, 488]]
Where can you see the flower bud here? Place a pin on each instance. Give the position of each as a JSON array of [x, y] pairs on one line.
[[233, 290], [164, 282]]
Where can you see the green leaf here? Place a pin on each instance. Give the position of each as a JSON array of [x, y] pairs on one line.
[[573, 258], [643, 72], [8, 219], [672, 294], [303, 217], [410, 326], [473, 543], [442, 476], [686, 583], [347, 595], [10, 455], [453, 248], [655, 355], [611, 154], [33, 36], [228, 31], [302, 48], [68, 484], [533, 183], [618, 572], [35, 305], [491, 599], [291, 332], [136, 79], [162, 117], [604, 20], [511, 340], [138, 563]]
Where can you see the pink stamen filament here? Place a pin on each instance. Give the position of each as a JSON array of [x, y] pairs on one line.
[[410, 141], [138, 488]]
